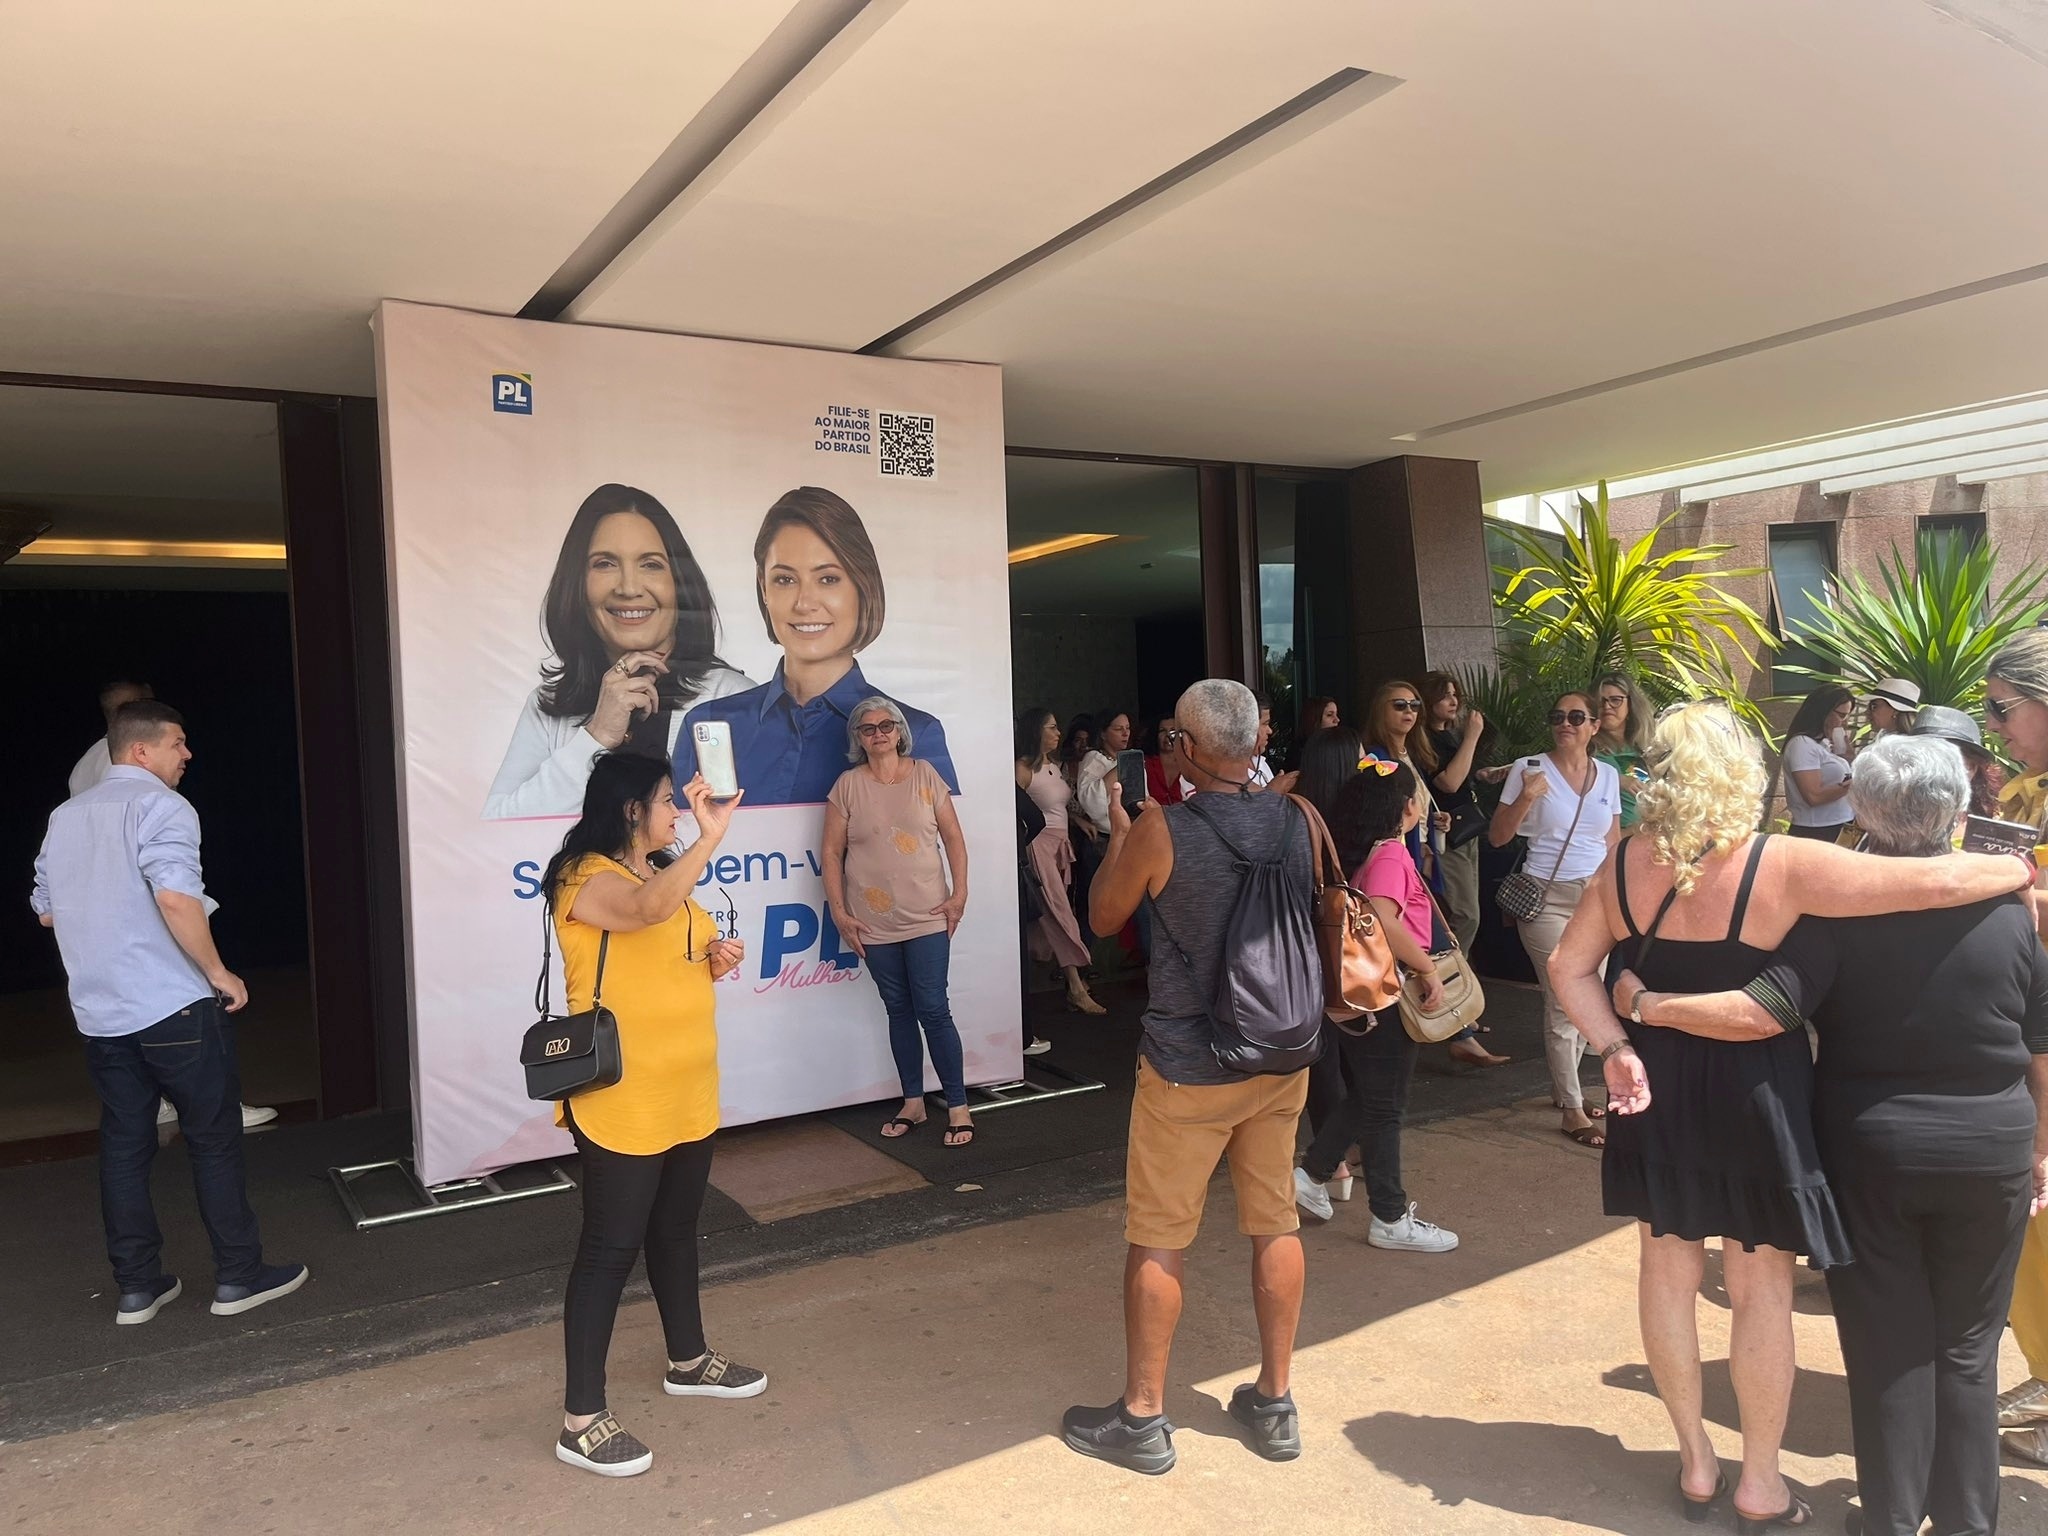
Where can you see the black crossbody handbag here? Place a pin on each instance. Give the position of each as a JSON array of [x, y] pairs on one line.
[[567, 1056]]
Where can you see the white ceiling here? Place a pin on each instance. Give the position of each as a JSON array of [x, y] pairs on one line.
[[1552, 198]]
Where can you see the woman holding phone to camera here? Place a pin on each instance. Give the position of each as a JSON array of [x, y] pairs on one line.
[[1568, 805], [645, 1141], [885, 822], [633, 633]]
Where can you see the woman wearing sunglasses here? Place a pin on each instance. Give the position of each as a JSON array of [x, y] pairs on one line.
[[2016, 710], [885, 822], [1568, 805], [646, 1140], [1397, 733]]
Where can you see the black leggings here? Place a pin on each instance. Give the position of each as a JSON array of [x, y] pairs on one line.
[[630, 1204]]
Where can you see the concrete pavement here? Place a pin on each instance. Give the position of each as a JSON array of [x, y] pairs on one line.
[[1499, 1388]]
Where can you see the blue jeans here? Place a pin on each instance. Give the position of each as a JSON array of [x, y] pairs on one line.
[[188, 1058], [911, 976]]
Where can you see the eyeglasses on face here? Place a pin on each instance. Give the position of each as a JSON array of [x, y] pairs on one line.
[[1569, 717], [1612, 701], [1406, 706], [2001, 709], [878, 728]]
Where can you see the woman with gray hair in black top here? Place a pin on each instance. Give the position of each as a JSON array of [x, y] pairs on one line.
[[1931, 1113]]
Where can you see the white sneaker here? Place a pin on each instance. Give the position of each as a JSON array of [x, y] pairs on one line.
[[1312, 1197], [253, 1115], [1411, 1234], [1340, 1187], [1037, 1047]]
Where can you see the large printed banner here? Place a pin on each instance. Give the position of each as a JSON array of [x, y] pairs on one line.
[[794, 531]]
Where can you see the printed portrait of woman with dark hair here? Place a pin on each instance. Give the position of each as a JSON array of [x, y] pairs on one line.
[[633, 637], [819, 587]]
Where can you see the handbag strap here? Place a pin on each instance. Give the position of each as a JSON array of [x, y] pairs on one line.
[[547, 959], [1592, 777]]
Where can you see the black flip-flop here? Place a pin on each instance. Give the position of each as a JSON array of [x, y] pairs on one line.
[[908, 1127], [966, 1132]]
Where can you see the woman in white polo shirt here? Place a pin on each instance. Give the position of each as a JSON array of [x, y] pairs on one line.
[[1569, 807], [1816, 772]]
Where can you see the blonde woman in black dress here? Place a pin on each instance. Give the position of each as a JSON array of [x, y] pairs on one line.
[[1712, 1138]]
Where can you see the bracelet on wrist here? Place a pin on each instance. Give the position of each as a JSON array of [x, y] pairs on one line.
[[1617, 1048]]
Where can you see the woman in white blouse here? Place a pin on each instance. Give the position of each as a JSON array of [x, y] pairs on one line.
[[634, 633], [1816, 773], [1568, 805]]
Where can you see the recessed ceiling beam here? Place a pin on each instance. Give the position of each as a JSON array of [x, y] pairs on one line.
[[2009, 472], [1838, 465], [1930, 469]]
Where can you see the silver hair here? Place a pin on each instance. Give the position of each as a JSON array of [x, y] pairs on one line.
[[2023, 662], [855, 752], [1908, 792], [1222, 717]]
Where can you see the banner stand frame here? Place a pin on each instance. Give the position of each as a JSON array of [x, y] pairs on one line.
[[439, 1199], [982, 1097]]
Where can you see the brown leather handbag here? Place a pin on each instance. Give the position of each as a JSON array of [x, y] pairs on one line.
[[1359, 973]]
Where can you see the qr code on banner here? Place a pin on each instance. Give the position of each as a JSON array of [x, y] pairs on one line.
[[909, 445]]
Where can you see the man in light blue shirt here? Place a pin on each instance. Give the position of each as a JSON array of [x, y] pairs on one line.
[[118, 879]]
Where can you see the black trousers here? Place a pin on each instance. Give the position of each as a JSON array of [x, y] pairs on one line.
[[1379, 1066], [1920, 1314], [631, 1204]]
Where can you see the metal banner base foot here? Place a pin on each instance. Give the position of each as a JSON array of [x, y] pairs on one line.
[[500, 1188], [1041, 1081]]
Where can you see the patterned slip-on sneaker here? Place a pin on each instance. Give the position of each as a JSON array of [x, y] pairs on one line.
[[2026, 1445], [2025, 1404], [605, 1448], [714, 1376]]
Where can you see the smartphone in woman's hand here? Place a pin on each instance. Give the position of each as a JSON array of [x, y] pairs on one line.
[[713, 739]]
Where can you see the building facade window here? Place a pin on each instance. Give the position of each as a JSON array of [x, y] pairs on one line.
[[1802, 564]]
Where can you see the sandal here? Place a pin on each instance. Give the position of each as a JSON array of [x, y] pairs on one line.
[[1596, 1112], [1584, 1135], [890, 1133], [1798, 1512], [1697, 1509], [960, 1135]]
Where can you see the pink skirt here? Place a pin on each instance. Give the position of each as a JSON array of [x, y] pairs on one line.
[[1056, 936]]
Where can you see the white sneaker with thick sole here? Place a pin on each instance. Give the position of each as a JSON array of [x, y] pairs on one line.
[[1411, 1234], [254, 1115], [1312, 1197], [1037, 1047]]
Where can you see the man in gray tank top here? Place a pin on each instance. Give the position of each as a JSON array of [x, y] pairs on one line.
[[1189, 1110]]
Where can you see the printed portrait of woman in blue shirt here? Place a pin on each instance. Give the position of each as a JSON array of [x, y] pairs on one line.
[[819, 587]]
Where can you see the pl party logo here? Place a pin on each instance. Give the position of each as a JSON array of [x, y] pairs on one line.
[[512, 393]]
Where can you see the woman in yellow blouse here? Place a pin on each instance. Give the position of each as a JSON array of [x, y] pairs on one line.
[[646, 1140]]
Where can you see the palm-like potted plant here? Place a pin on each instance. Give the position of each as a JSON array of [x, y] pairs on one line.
[[1937, 625]]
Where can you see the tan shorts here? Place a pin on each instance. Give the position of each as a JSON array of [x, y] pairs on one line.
[[1179, 1131]]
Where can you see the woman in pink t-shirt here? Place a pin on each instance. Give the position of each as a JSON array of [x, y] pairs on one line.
[[1372, 815]]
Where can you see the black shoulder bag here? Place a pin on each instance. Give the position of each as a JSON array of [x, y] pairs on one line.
[[567, 1056]]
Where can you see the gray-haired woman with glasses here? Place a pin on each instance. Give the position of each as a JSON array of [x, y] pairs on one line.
[[885, 822]]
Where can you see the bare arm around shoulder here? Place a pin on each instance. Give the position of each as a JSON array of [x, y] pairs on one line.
[[1575, 963], [611, 901], [1137, 862], [1822, 880]]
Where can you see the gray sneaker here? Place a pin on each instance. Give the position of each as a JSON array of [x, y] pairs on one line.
[[140, 1306], [1411, 1234], [605, 1448], [1312, 1196], [1275, 1426]]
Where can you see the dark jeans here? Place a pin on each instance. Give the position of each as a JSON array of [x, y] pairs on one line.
[[188, 1058], [911, 976], [631, 1204], [1920, 1314], [1378, 1066]]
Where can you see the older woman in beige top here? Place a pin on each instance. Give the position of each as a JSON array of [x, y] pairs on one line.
[[885, 822]]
